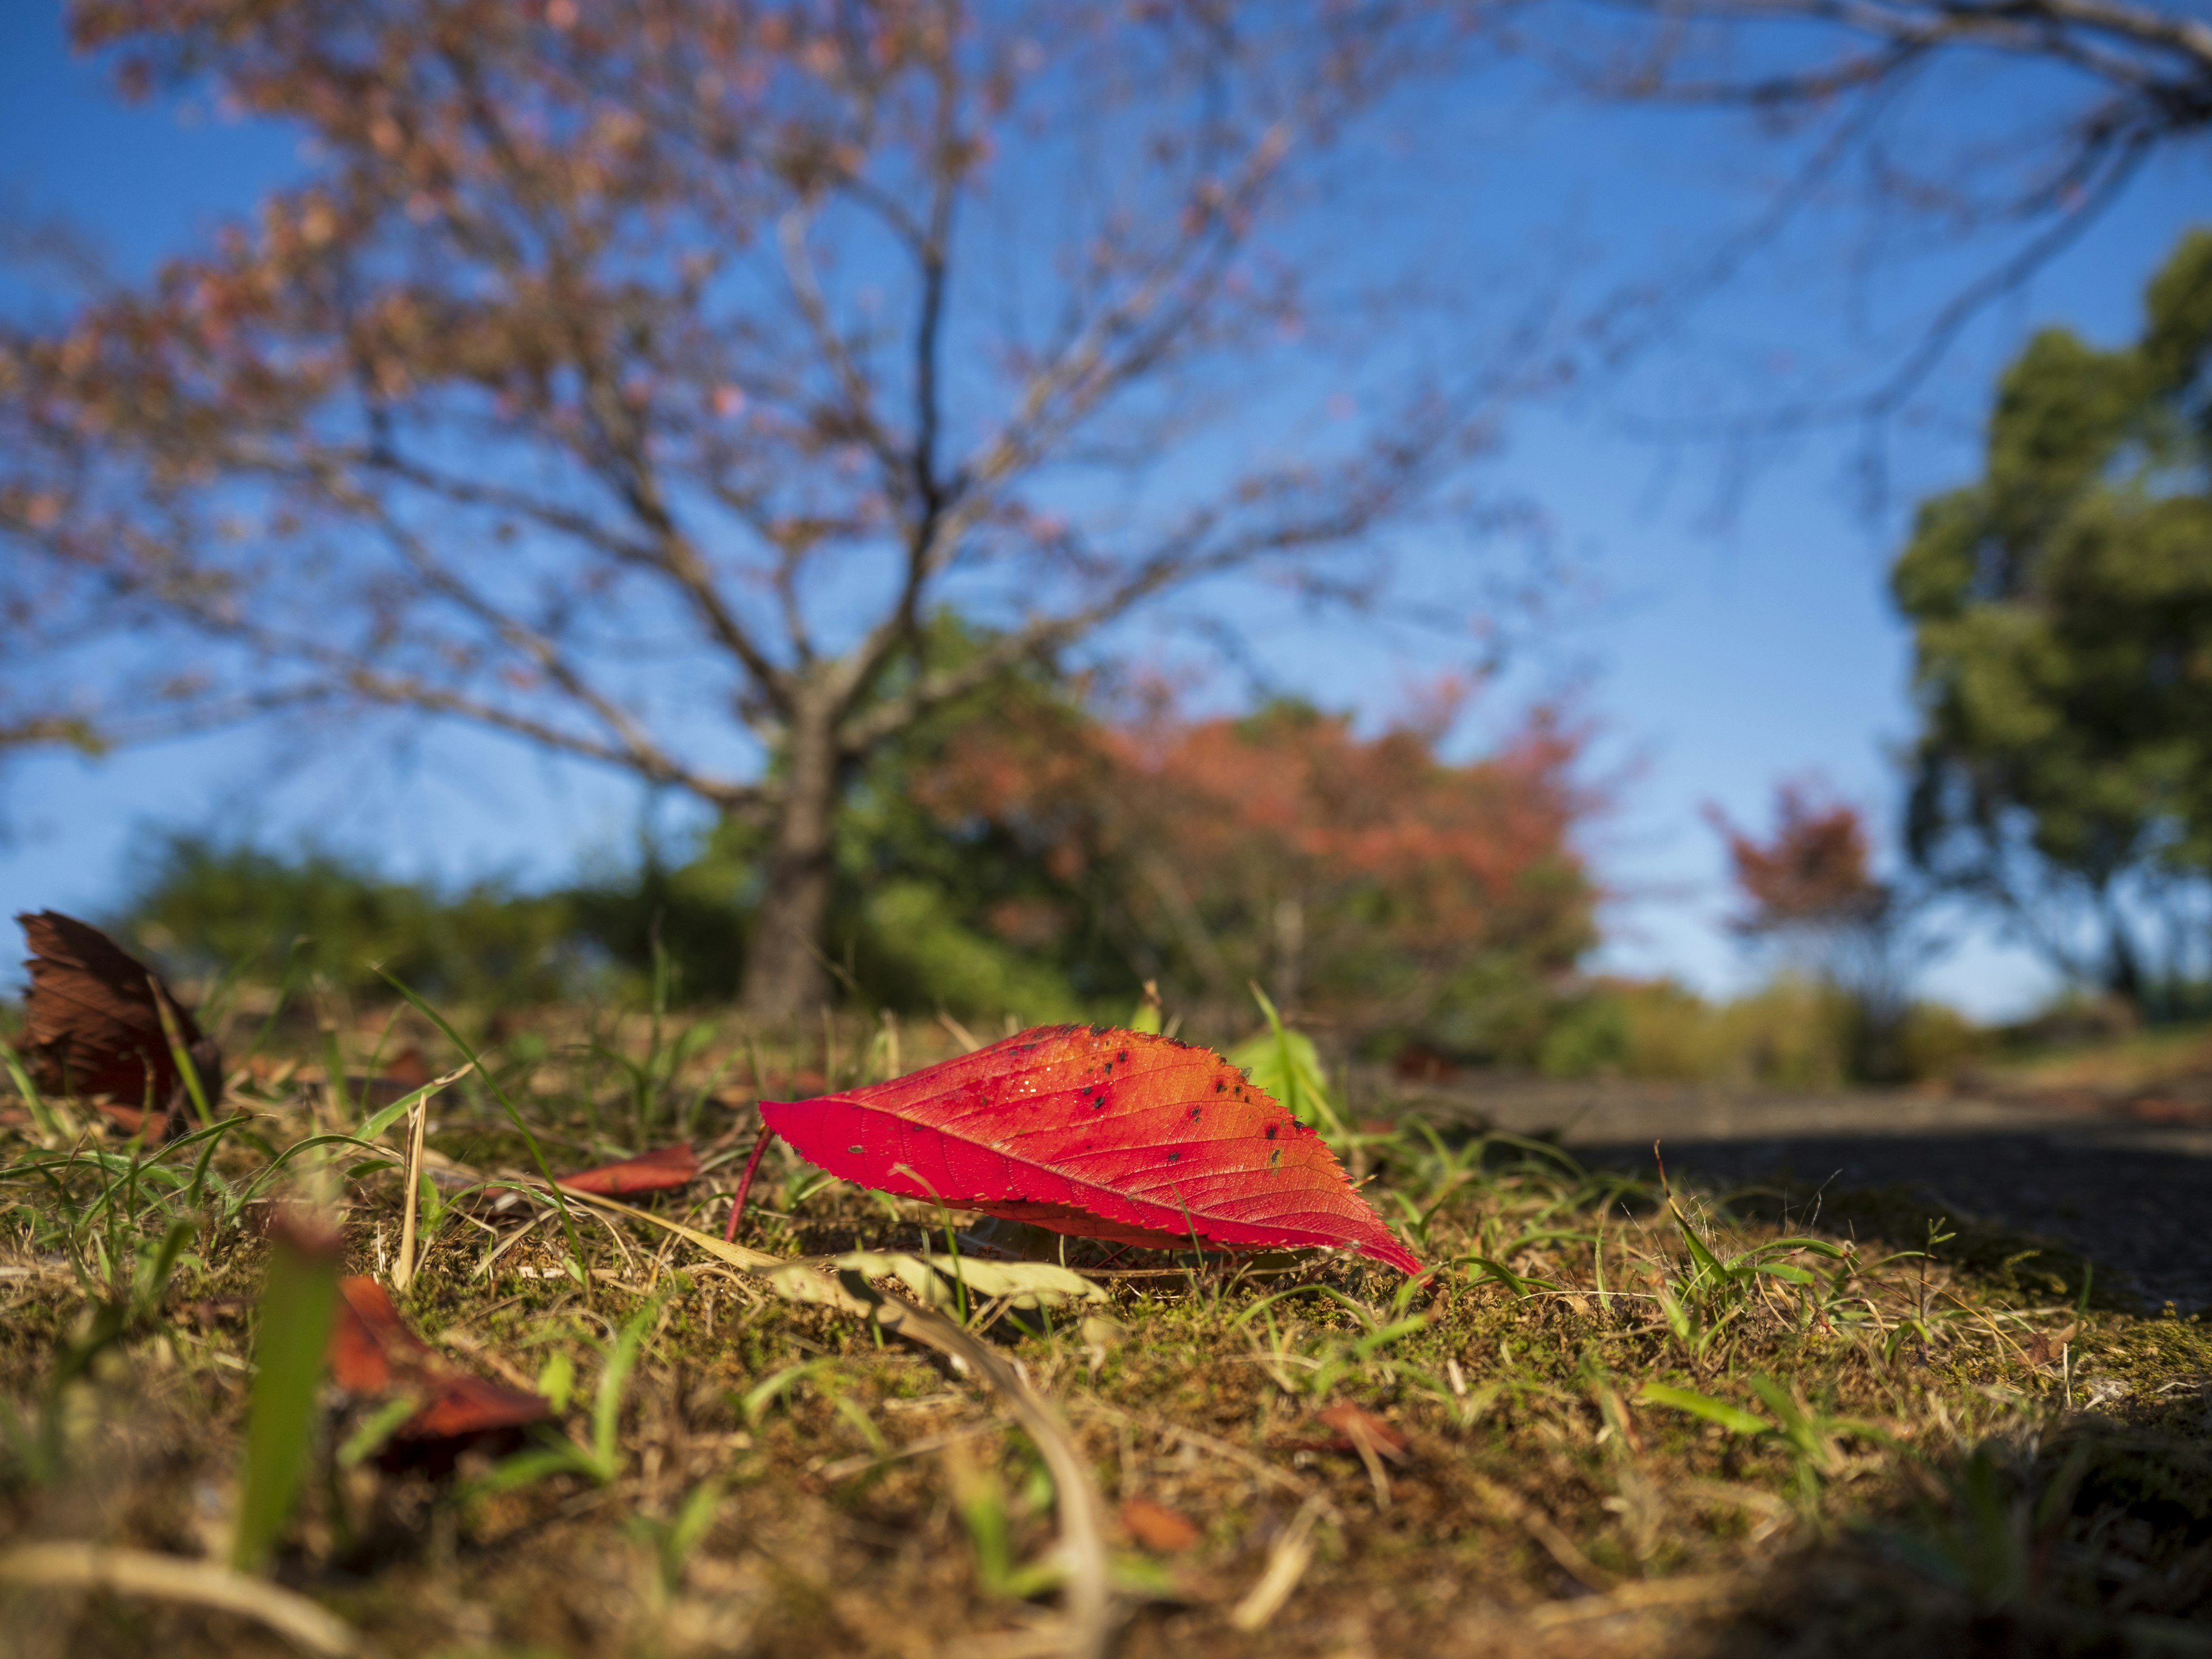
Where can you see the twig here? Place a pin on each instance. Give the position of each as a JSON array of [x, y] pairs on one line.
[[1635, 1598], [175, 1578]]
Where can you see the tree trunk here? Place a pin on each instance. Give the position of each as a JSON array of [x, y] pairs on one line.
[[2124, 975], [786, 975], [1289, 953]]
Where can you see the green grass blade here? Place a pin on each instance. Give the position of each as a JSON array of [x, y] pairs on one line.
[[42, 1114], [526, 1468], [537, 1151], [1365, 1347], [377, 1122], [365, 1442], [1700, 1253], [297, 1304], [764, 1394], [187, 1073], [614, 1384], [1734, 1418], [693, 1518], [285, 984]]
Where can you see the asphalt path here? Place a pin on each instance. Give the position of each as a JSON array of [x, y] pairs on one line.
[[2133, 1197]]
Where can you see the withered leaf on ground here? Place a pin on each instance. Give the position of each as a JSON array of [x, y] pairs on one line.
[[94, 1026], [1356, 1426], [1158, 1527], [372, 1351], [663, 1170]]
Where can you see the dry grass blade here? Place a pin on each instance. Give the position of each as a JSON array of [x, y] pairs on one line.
[[765, 1467], [1373, 1439], [1089, 1612], [173, 1578], [844, 1467], [960, 1034], [1024, 1284], [1287, 1560], [738, 1256], [1251, 1462], [403, 1273], [1542, 1528], [1699, 1590]]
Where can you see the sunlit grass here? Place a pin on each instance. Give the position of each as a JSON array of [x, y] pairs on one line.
[[1608, 1385]]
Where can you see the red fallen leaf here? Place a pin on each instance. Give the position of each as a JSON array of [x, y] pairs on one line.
[[1105, 1134], [94, 1024], [370, 1344], [129, 1119], [1357, 1426], [1156, 1527], [661, 1171], [372, 1351], [408, 1069]]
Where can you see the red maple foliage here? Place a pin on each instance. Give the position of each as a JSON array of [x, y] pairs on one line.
[[374, 1352], [663, 1170], [1357, 875], [1814, 871], [1099, 1133], [1809, 889]]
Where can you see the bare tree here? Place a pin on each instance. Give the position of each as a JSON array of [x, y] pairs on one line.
[[635, 378], [2092, 89]]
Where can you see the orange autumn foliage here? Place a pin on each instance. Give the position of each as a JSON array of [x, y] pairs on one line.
[[1364, 877]]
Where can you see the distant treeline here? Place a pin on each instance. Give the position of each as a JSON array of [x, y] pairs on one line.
[[1018, 856]]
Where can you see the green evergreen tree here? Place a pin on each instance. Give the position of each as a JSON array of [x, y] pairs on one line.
[[2062, 617]]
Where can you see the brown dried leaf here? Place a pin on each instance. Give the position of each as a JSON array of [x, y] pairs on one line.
[[1156, 1527], [1357, 1428], [93, 1022]]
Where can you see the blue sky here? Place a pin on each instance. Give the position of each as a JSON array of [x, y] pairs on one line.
[[1721, 637]]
